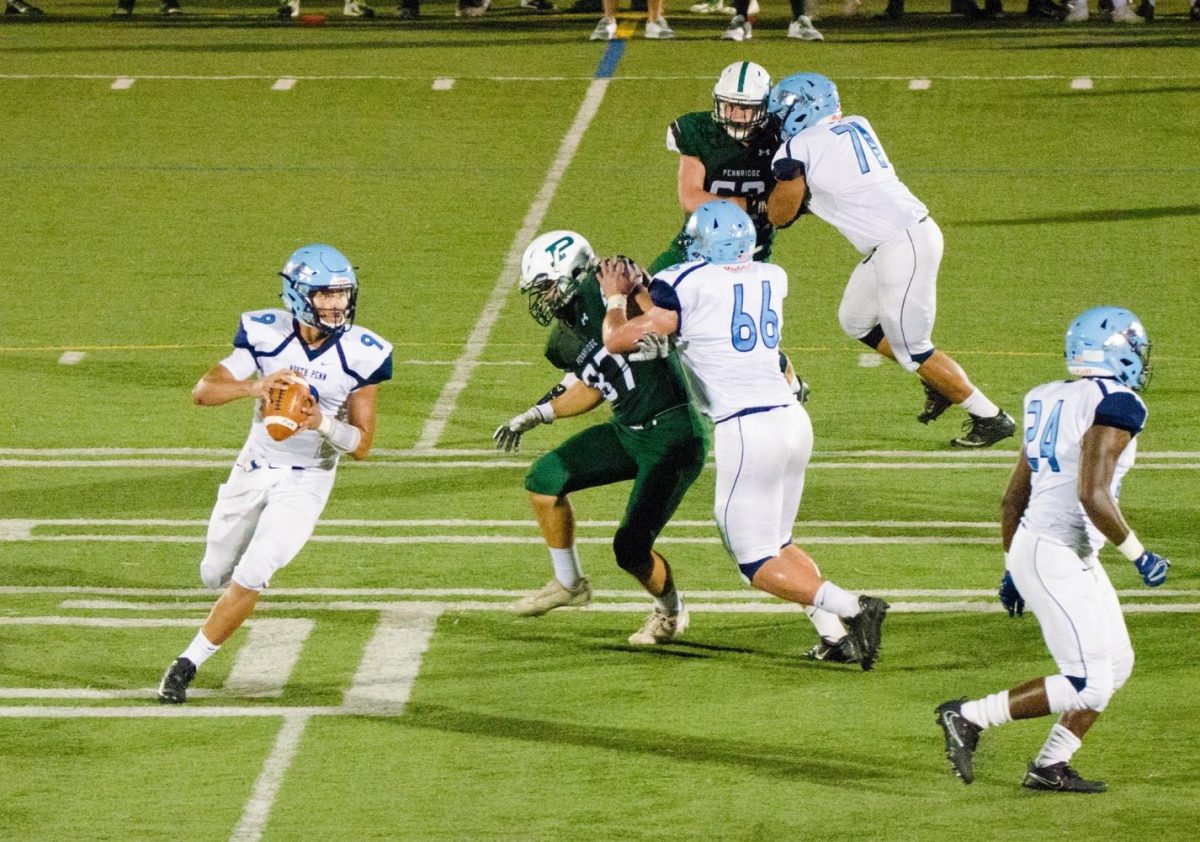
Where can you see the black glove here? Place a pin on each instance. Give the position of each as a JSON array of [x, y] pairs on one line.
[[1010, 597]]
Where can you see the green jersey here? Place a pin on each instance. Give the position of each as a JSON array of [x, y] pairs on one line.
[[731, 168], [637, 391]]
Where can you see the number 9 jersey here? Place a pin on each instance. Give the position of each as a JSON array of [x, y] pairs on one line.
[[1057, 416]]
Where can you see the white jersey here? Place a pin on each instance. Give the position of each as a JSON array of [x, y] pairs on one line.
[[1057, 415], [269, 340], [730, 322], [854, 186]]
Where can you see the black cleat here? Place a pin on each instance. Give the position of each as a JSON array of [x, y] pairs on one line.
[[1059, 777], [170, 7], [962, 736], [935, 404], [1044, 10], [984, 432], [173, 689], [20, 7], [844, 651], [124, 9], [866, 627], [1194, 12], [1145, 10]]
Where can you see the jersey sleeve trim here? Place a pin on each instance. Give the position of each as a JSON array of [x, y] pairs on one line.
[[1122, 410]]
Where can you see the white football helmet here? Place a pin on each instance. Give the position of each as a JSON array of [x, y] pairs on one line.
[[744, 86], [552, 268]]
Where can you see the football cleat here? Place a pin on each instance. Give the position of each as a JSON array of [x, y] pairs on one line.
[[354, 9], [170, 7], [554, 594], [1194, 11], [1145, 9], [984, 432], [538, 5], [711, 7], [935, 404], [739, 30], [659, 30], [1045, 9], [962, 736], [1074, 11], [471, 8], [288, 9], [172, 690], [802, 29], [606, 30], [1059, 777], [660, 627], [20, 7], [844, 651], [1126, 14], [866, 627], [408, 12]]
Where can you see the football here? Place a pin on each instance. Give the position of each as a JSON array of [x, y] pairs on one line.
[[283, 408]]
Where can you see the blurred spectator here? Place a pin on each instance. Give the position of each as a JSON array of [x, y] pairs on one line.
[[351, 9], [1077, 11], [657, 28], [125, 8], [801, 26]]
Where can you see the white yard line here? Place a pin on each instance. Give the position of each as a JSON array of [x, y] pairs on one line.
[[392, 660], [231, 452], [402, 523], [384, 77], [477, 341], [257, 811], [153, 710], [530, 540], [265, 661]]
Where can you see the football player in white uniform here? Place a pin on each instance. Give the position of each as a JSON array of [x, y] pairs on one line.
[[1060, 506], [268, 508], [835, 167], [726, 311]]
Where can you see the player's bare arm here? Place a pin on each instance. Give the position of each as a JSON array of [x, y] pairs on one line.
[[620, 332], [218, 386], [579, 398], [783, 205], [1101, 447], [1016, 498], [690, 184]]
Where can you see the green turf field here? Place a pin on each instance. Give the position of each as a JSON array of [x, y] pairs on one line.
[[383, 691]]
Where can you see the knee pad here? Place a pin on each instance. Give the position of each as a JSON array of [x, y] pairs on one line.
[[548, 476], [633, 552], [214, 575]]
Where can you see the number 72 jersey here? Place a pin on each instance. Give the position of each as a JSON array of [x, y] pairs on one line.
[[1057, 416]]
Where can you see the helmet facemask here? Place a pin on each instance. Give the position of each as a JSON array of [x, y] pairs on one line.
[[740, 99], [550, 298], [312, 271]]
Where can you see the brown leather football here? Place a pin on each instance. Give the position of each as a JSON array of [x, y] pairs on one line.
[[283, 409]]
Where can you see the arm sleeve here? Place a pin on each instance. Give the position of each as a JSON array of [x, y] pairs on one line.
[[1122, 410]]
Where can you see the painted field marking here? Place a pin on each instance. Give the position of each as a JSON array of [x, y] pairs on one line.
[[392, 659], [71, 357], [869, 360], [476, 342], [920, 84], [443, 84], [284, 84], [122, 83], [389, 77], [531, 540], [1081, 83], [402, 523], [257, 811]]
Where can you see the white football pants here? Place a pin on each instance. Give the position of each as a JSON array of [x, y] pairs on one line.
[[896, 288], [261, 521], [1079, 613], [761, 460]]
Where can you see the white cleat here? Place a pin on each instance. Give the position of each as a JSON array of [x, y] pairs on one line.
[[289, 9], [354, 9], [1126, 14], [606, 30], [803, 29], [660, 627], [658, 30], [554, 594], [739, 30], [1077, 11], [711, 7]]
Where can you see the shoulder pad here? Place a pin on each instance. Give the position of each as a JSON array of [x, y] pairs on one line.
[[367, 355], [262, 331]]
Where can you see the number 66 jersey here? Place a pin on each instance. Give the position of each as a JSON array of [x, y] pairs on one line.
[[267, 341], [1057, 416]]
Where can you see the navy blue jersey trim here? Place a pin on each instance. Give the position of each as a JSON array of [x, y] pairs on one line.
[[677, 281], [1121, 410]]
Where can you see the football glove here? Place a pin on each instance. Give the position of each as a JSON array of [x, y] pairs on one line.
[[1010, 597], [508, 435], [650, 347], [1153, 568], [800, 389]]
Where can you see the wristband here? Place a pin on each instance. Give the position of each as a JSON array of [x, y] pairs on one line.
[[341, 436], [1131, 547], [546, 411], [615, 302]]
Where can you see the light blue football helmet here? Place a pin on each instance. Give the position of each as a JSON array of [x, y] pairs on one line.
[[802, 100], [1109, 342], [318, 267], [720, 232]]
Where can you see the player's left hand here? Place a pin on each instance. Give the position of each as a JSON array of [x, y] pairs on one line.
[[1010, 597], [652, 346], [508, 436], [1153, 568]]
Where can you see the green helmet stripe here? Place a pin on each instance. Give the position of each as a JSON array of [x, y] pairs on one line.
[[742, 76]]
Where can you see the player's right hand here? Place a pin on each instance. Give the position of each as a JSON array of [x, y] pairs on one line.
[[1010, 597], [1153, 568], [652, 346], [508, 436]]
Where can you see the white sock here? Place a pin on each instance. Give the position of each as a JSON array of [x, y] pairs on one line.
[[1059, 747], [977, 404], [200, 649], [988, 711], [566, 566], [832, 598], [670, 601], [827, 625]]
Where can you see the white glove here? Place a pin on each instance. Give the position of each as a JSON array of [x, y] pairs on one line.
[[508, 436], [650, 347]]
